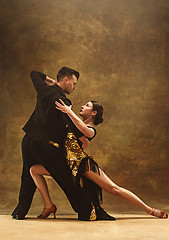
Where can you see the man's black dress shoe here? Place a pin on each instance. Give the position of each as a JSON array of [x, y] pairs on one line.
[[102, 215], [18, 217]]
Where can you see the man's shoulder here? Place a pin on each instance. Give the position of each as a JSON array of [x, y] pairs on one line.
[[50, 90], [53, 93]]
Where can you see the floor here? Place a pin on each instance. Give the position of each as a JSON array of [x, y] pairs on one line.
[[66, 227]]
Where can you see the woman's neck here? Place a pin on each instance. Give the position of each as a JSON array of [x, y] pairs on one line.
[[89, 122]]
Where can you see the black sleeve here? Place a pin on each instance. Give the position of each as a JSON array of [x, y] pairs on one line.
[[38, 79], [71, 125]]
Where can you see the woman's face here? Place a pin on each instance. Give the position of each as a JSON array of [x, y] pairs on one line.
[[86, 110]]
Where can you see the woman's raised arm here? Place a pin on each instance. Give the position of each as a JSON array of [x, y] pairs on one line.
[[88, 132]]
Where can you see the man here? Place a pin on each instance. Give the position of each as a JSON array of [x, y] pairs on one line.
[[44, 143]]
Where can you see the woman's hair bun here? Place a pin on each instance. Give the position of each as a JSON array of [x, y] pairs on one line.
[[97, 121], [98, 117]]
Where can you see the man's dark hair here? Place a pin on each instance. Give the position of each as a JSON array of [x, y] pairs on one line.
[[66, 72]]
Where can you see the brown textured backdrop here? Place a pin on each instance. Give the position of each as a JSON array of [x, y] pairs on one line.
[[121, 49]]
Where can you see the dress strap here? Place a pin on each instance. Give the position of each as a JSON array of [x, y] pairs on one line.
[[94, 133]]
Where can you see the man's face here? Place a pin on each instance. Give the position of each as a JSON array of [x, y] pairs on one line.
[[70, 84]]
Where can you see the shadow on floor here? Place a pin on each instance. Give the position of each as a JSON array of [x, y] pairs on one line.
[[51, 219], [134, 218]]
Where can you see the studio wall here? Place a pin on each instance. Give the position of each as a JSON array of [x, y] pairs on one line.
[[121, 49]]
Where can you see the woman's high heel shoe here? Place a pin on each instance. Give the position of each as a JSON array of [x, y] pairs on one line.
[[161, 214], [47, 211]]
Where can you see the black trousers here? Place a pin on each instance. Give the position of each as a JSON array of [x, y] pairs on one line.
[[53, 159]]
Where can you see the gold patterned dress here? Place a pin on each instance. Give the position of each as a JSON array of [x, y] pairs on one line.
[[79, 162]]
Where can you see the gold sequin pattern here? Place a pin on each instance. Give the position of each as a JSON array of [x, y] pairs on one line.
[[75, 153]]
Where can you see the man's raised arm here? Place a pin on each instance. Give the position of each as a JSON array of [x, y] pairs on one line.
[[38, 79]]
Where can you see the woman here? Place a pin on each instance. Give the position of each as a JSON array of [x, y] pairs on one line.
[[92, 115]]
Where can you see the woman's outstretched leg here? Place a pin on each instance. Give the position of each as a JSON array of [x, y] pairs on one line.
[[36, 172], [109, 186]]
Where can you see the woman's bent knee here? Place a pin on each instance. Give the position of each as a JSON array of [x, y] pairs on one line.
[[33, 170]]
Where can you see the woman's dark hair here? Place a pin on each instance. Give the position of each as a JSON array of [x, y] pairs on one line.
[[66, 71], [98, 117]]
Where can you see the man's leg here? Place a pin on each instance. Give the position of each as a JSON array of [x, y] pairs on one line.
[[55, 163], [78, 199], [26, 193], [27, 188]]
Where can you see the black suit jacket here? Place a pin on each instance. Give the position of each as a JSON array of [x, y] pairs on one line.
[[46, 122]]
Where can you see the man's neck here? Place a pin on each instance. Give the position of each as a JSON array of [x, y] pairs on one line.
[[61, 85]]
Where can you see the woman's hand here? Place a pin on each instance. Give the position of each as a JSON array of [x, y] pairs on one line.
[[63, 107]]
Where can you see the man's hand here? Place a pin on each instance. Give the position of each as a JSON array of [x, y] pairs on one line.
[[63, 107], [50, 81]]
